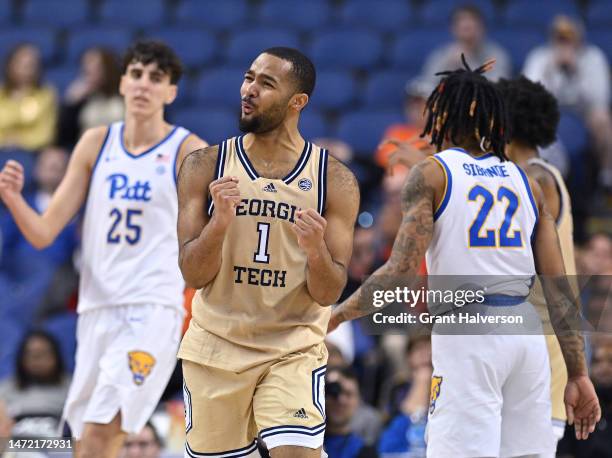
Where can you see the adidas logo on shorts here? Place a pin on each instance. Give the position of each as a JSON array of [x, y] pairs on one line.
[[301, 414], [269, 187]]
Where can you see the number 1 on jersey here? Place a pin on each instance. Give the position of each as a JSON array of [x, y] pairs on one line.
[[262, 255]]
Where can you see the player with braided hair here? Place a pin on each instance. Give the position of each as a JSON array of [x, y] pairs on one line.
[[473, 213]]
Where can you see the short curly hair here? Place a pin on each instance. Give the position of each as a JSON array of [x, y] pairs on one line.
[[532, 110], [149, 51]]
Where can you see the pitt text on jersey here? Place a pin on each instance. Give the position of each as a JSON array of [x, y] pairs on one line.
[[121, 188], [271, 209]]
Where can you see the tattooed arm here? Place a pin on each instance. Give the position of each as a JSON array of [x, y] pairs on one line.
[[581, 401], [423, 189]]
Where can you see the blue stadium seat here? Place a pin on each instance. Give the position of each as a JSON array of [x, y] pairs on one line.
[[213, 125], [363, 130], [116, 39], [44, 38], [538, 13], [573, 134], [334, 90], [133, 13], [61, 77], [11, 334], [313, 124], [313, 14], [57, 13], [438, 12], [518, 43], [390, 15], [219, 87], [212, 14], [386, 89], [195, 46], [63, 328], [6, 13], [346, 48], [602, 37], [244, 46], [412, 47], [599, 13]]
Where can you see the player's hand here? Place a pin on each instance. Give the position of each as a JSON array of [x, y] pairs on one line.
[[406, 153], [11, 180], [226, 196], [582, 405], [309, 227]]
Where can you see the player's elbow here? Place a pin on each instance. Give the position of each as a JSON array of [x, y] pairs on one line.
[[328, 297], [41, 241]]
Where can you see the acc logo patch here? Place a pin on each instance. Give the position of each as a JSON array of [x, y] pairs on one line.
[[305, 184], [436, 385], [141, 363]]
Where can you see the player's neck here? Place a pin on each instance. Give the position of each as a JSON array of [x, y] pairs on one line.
[[275, 144], [520, 154], [140, 134]]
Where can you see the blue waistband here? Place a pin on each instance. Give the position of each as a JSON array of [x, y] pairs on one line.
[[503, 300]]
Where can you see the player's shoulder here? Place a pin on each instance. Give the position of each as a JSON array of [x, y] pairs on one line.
[[95, 135], [202, 160], [339, 177], [542, 175]]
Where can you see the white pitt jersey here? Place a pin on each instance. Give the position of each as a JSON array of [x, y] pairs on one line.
[[485, 223], [130, 245]]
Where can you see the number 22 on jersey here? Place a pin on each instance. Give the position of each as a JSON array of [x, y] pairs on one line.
[[499, 237]]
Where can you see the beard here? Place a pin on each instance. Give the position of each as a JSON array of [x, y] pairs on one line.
[[264, 122]]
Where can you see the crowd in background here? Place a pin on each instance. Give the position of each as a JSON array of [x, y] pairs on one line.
[[378, 387]]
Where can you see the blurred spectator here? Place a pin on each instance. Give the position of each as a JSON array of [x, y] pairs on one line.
[[407, 134], [577, 74], [342, 400], [599, 442], [409, 401], [35, 396], [92, 99], [596, 258], [468, 28], [28, 110], [27, 275], [145, 444]]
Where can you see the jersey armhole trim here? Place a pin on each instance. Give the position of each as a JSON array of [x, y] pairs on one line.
[[448, 186], [219, 169], [108, 131], [322, 189], [176, 156]]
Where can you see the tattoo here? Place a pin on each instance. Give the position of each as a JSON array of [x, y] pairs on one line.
[[343, 181], [411, 242], [563, 303], [198, 160]]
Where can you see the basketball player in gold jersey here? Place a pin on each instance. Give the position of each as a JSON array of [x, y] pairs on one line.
[[534, 117], [265, 229]]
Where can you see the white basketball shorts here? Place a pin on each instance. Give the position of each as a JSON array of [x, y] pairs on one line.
[[125, 357], [490, 397]]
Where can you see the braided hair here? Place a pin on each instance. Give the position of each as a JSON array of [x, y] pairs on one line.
[[466, 105]]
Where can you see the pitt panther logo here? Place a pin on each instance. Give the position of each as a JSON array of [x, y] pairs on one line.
[[141, 363], [436, 384]]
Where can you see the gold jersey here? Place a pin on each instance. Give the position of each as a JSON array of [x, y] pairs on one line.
[[565, 230], [258, 308]]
